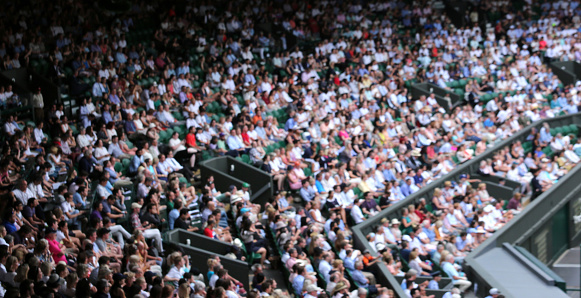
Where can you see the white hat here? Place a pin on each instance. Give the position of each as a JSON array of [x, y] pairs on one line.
[[313, 287], [234, 199], [488, 208]]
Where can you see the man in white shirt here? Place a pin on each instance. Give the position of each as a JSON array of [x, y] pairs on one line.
[[10, 126], [174, 166], [22, 192], [356, 212]]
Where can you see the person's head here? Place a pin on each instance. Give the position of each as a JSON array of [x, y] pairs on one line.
[[103, 286], [184, 290], [494, 292], [184, 214]]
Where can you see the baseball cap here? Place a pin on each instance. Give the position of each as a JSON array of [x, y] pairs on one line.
[[463, 176], [245, 185], [494, 291], [135, 205]]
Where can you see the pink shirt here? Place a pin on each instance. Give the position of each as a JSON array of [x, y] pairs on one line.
[[55, 250]]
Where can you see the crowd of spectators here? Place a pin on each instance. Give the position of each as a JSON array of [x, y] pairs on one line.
[[319, 99]]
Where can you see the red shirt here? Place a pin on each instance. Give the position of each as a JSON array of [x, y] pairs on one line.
[[245, 138], [542, 44], [191, 140], [209, 232]]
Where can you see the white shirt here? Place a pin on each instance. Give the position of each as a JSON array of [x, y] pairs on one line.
[[357, 214], [102, 151], [23, 196]]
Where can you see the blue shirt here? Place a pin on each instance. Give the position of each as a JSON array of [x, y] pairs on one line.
[[307, 194], [349, 263], [450, 270], [173, 215], [282, 202], [319, 186], [460, 244], [135, 163], [430, 233], [120, 57], [290, 124], [405, 189], [107, 117], [183, 70], [234, 143], [10, 227], [106, 207], [359, 278], [298, 282], [112, 175], [77, 199], [388, 175]]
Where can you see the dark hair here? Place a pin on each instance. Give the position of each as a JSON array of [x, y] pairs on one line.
[[103, 260]]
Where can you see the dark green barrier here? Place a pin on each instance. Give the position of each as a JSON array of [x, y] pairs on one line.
[[567, 71], [428, 88], [202, 248], [227, 171]]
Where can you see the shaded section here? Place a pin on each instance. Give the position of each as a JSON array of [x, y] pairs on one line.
[[201, 248], [231, 171], [514, 275]]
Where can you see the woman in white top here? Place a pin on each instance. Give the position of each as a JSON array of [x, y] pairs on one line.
[[177, 270], [482, 193], [64, 124], [111, 131], [316, 215], [65, 145], [82, 139], [272, 130], [91, 136], [276, 172], [459, 214], [101, 153], [138, 124], [55, 159]]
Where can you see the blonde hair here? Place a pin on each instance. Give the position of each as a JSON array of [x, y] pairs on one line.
[[176, 259], [10, 261], [437, 192], [104, 271], [413, 255], [21, 273], [134, 259], [183, 290]]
